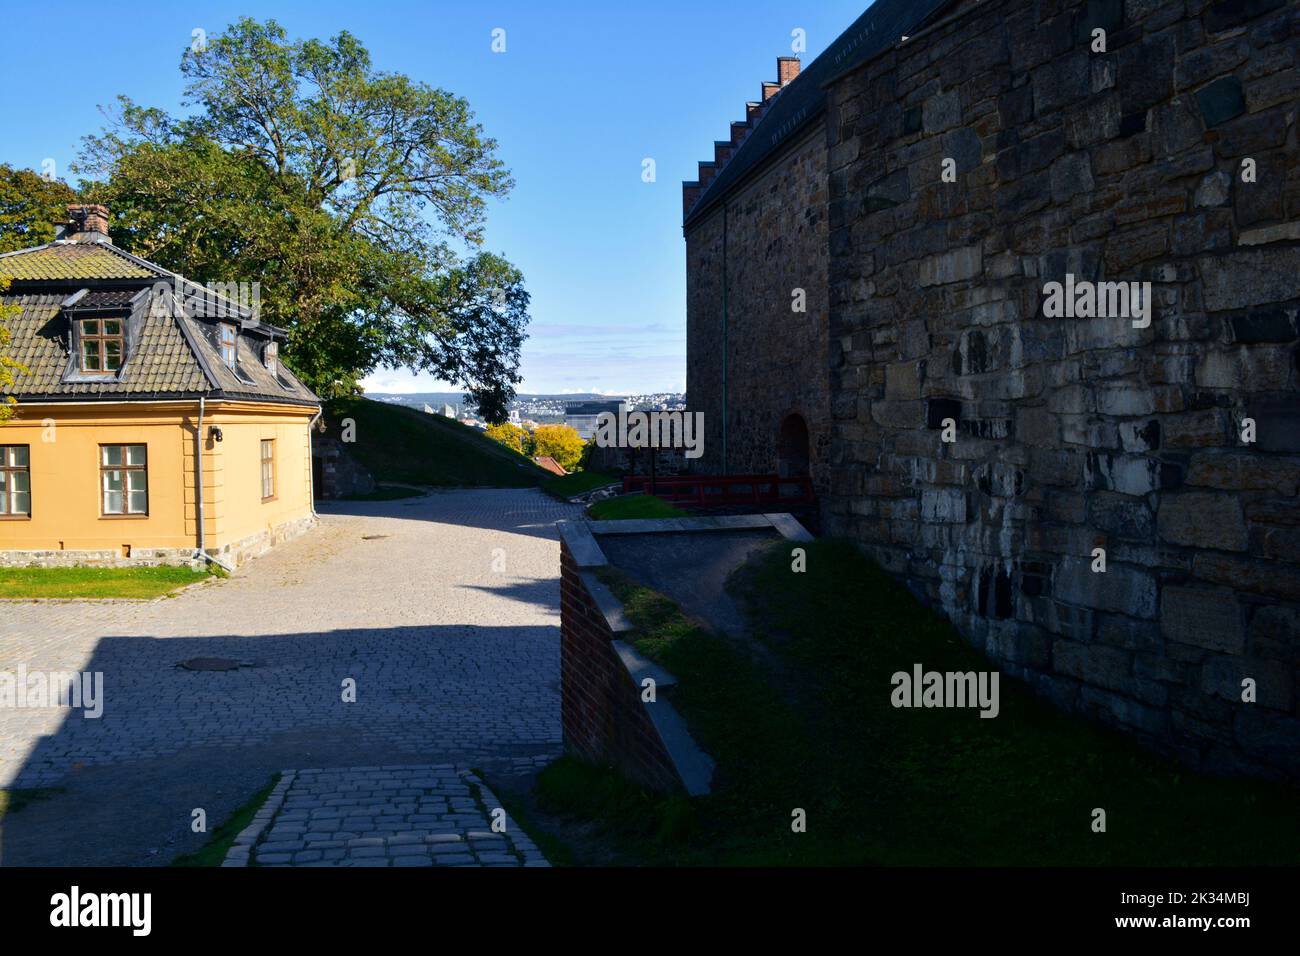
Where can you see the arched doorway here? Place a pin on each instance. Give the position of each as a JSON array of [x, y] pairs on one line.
[[792, 448]]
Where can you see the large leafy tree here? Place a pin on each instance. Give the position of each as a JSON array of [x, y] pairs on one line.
[[355, 197], [30, 206]]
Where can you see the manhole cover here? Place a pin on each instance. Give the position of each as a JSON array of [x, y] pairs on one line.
[[213, 664]]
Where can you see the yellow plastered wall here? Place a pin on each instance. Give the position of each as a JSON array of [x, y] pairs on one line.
[[240, 508], [64, 443]]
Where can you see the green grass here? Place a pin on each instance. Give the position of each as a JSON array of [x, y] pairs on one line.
[[388, 493], [625, 507], [402, 445], [580, 482], [11, 801], [812, 727], [214, 851], [94, 582]]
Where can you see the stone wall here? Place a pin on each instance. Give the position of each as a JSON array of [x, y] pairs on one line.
[[776, 241], [1071, 434]]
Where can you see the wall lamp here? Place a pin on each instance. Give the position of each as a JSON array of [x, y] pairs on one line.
[[214, 433]]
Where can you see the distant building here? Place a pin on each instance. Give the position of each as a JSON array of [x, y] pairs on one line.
[[581, 416], [447, 411]]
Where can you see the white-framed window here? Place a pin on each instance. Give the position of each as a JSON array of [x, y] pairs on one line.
[[268, 468], [123, 480], [228, 340], [15, 481]]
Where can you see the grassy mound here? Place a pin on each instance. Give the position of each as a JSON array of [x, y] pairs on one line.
[[401, 445]]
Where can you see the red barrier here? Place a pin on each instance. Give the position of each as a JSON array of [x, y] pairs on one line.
[[706, 491]]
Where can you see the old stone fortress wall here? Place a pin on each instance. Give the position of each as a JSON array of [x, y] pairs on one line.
[[1167, 155]]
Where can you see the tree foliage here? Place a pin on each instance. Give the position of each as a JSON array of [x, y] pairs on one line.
[[30, 206], [355, 197], [510, 435], [560, 442]]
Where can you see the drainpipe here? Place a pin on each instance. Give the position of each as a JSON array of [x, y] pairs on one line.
[[198, 477], [725, 469], [311, 461], [198, 489]]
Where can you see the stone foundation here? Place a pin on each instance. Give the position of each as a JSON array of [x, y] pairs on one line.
[[234, 554]]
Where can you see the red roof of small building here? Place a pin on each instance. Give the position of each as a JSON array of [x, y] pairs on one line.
[[551, 465]]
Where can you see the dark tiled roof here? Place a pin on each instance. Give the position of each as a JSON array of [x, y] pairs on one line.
[[169, 350]]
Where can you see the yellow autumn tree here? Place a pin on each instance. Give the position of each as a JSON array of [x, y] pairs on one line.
[[560, 442], [510, 435]]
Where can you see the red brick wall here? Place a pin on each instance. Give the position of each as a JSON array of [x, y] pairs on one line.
[[601, 711]]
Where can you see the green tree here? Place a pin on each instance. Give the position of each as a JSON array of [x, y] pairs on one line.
[[355, 197], [561, 442], [30, 205]]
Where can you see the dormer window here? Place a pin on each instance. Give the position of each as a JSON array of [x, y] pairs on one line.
[[270, 356], [228, 345], [101, 345]]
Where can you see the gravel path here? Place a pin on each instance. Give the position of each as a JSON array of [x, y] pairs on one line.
[[443, 611]]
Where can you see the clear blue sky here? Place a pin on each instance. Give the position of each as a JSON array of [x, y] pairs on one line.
[[584, 92]]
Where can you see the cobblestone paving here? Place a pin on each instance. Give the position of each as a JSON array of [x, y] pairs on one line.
[[387, 816], [444, 610]]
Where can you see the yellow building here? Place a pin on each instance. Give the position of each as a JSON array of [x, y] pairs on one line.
[[154, 420]]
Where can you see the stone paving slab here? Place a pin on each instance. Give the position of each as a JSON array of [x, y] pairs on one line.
[[401, 816]]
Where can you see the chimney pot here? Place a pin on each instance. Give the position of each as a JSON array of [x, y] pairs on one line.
[[787, 68]]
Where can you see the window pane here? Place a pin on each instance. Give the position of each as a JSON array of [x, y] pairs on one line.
[[22, 481], [90, 356], [113, 480], [112, 502], [90, 326], [112, 356], [135, 454], [18, 456], [112, 454], [139, 503], [22, 503], [135, 480], [112, 327]]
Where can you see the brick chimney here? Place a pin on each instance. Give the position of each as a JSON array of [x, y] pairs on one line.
[[787, 68], [87, 223]]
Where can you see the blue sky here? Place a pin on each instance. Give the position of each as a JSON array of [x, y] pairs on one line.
[[583, 94]]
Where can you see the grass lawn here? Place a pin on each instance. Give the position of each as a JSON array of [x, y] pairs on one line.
[[807, 723], [633, 506], [398, 444], [214, 851], [94, 582], [566, 486]]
